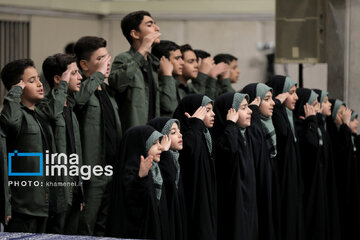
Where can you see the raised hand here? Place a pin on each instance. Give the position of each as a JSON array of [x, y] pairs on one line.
[[205, 65], [21, 84], [346, 116], [218, 69], [309, 110], [232, 115], [256, 101], [166, 66], [165, 143], [282, 97], [145, 165], [200, 113], [103, 65], [148, 42]]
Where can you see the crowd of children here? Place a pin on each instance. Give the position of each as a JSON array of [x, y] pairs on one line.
[[191, 158]]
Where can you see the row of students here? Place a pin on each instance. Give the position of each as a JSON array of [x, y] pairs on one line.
[[245, 178]]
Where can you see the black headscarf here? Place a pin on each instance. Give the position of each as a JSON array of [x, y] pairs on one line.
[[304, 95]]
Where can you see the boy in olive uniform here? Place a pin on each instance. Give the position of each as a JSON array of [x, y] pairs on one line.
[[224, 81], [63, 77], [134, 73], [5, 207], [100, 131], [27, 131]]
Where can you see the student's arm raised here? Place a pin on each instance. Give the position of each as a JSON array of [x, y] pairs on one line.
[[11, 116], [90, 85]]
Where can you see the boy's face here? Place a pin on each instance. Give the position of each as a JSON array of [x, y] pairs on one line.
[[155, 151], [244, 112], [177, 62], [210, 116], [326, 107], [291, 99], [33, 90], [175, 137], [267, 105], [75, 78], [148, 26], [92, 65], [354, 125], [234, 71], [191, 67], [338, 120]]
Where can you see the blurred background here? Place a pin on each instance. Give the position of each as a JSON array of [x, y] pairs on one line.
[[315, 42]]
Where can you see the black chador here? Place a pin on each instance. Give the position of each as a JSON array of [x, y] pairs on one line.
[[138, 205], [287, 162], [197, 170], [346, 178], [170, 171], [237, 206], [314, 169], [263, 163]]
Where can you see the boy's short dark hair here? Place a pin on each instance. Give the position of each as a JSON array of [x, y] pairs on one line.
[[201, 54], [132, 22], [12, 72], [85, 47], [56, 65], [184, 48], [224, 57], [69, 48], [164, 48]]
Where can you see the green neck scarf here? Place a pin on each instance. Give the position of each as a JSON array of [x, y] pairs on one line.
[[270, 135], [206, 100], [174, 154], [155, 169], [291, 120]]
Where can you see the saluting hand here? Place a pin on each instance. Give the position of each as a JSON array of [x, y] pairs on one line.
[[256, 101], [346, 116], [21, 84], [148, 42], [103, 65], [165, 143], [218, 69], [200, 113], [309, 110], [232, 115], [282, 96], [145, 165], [166, 66]]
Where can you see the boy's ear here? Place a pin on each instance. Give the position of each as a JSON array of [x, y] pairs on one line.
[[57, 79], [134, 34], [84, 65]]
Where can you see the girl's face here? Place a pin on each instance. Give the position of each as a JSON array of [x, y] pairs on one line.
[[244, 112], [354, 125], [339, 114], [267, 105], [291, 99], [155, 151], [326, 107], [210, 116], [175, 137]]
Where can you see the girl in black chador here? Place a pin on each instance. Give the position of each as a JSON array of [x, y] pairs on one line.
[[345, 169], [237, 208], [139, 205], [263, 138], [170, 170], [197, 166], [288, 158], [314, 166]]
